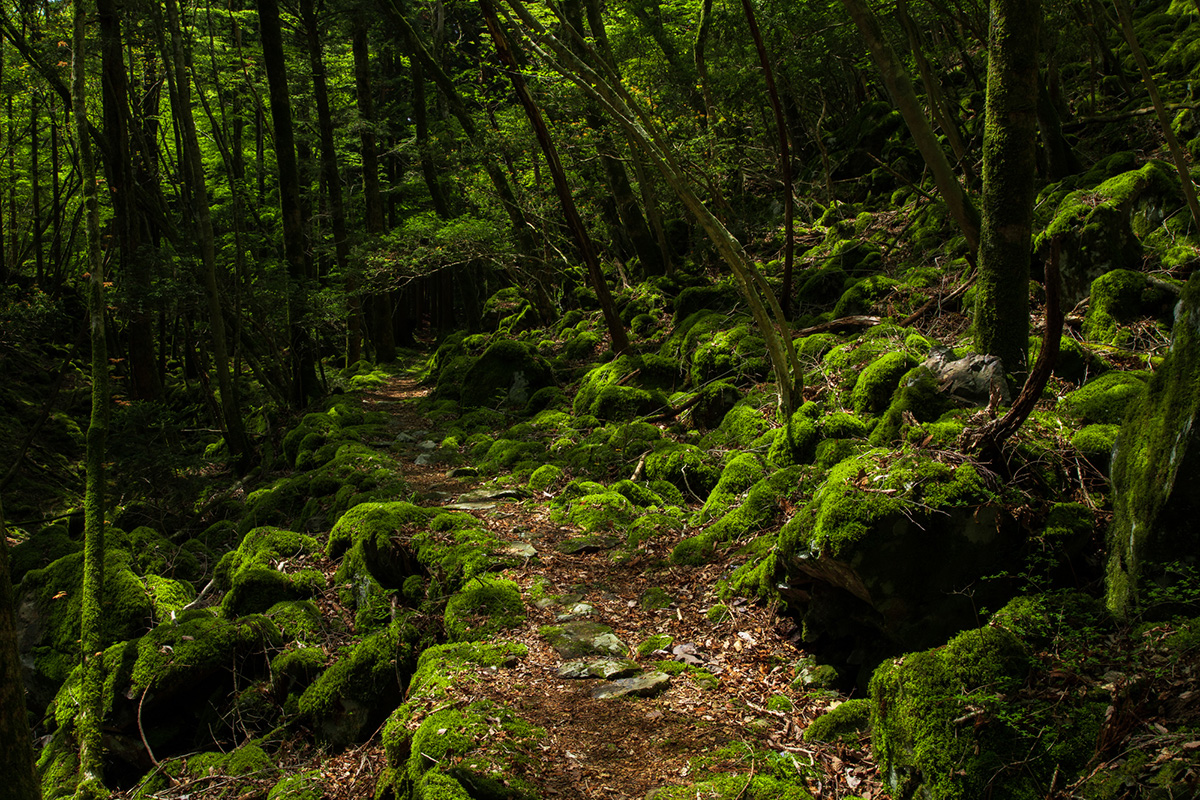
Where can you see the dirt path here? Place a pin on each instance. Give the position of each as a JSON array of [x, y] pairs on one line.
[[601, 748]]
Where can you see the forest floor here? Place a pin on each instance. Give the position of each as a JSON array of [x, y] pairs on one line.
[[606, 748]]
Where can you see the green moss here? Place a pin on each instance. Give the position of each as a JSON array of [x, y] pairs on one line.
[[845, 722], [742, 424], [1095, 443], [40, 550], [1105, 399], [168, 596], [600, 512], [864, 295], [1121, 296], [927, 710], [714, 402], [878, 381], [270, 565], [483, 608], [544, 477], [917, 396], [724, 786], [760, 506], [739, 475], [300, 786], [694, 551], [660, 641], [798, 443], [683, 465], [508, 373]]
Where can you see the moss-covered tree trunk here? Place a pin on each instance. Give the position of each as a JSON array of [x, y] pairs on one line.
[[1009, 168], [896, 79], [91, 711], [16, 753], [616, 328]]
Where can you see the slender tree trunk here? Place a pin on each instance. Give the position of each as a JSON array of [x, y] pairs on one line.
[[4, 268], [91, 711], [56, 207], [383, 335], [304, 376], [16, 756], [616, 329], [785, 157], [701, 61], [1177, 154], [333, 179], [1009, 170], [900, 88], [235, 430], [35, 187]]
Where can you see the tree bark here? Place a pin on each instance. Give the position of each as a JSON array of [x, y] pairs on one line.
[[785, 157], [304, 376], [235, 430], [333, 179], [1009, 170], [616, 329], [895, 78], [382, 334], [16, 756], [91, 712]]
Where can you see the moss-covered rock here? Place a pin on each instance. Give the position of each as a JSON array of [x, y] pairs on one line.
[[40, 550], [887, 542], [1156, 469], [305, 785], [742, 472], [507, 373], [878, 381], [845, 722], [863, 296], [918, 397], [48, 608], [269, 566], [1122, 296], [683, 465], [544, 478], [354, 695], [1105, 399], [483, 608], [934, 717]]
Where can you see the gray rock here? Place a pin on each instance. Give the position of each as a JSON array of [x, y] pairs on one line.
[[970, 378], [424, 460], [576, 611], [647, 684], [580, 638], [428, 444], [607, 668], [520, 550]]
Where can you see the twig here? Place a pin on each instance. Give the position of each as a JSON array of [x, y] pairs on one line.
[[141, 731]]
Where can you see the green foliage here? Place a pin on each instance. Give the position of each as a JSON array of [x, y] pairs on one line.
[[483, 608]]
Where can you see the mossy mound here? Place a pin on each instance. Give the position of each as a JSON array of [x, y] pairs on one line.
[[1105, 399], [918, 397], [741, 426], [604, 511], [736, 354], [483, 608], [742, 472], [354, 695], [714, 403], [50, 598], [875, 386], [269, 566], [626, 388], [846, 722], [683, 465], [886, 541], [1122, 296], [797, 443], [760, 506], [508, 373]]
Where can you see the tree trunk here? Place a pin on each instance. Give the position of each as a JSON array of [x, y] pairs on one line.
[[616, 329], [91, 711], [35, 188], [895, 78], [333, 180], [235, 430], [785, 157], [304, 376], [380, 301], [1009, 170]]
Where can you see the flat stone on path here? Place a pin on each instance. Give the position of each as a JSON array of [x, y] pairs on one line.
[[607, 668], [520, 550], [583, 638], [646, 685]]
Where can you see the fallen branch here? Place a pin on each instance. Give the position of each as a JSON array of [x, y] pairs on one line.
[[937, 300], [840, 324]]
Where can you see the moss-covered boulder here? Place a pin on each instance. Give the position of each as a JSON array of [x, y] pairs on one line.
[[355, 694], [508, 373], [626, 388], [483, 608], [48, 603], [41, 550], [685, 466], [887, 547], [1099, 228], [1122, 296], [1104, 399], [742, 472], [269, 566], [1155, 471], [878, 382], [934, 725], [844, 722]]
